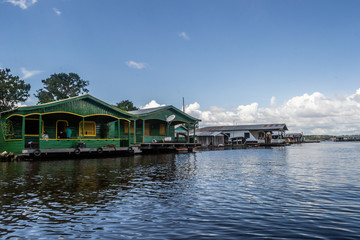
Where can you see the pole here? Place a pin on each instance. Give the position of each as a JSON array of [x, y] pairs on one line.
[[134, 131], [129, 127], [118, 121], [83, 127], [40, 128], [23, 131], [188, 133], [143, 131], [183, 104]]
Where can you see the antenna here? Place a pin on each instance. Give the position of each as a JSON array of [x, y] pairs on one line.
[[183, 104]]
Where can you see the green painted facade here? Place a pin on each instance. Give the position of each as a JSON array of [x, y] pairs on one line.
[[149, 122], [30, 123], [92, 122]]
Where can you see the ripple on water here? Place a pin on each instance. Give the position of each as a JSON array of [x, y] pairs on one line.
[[305, 191]]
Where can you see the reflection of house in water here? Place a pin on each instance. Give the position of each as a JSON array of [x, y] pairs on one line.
[[257, 134]]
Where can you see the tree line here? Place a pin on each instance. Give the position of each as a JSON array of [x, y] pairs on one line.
[[58, 86]]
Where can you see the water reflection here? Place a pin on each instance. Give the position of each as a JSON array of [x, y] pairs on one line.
[[307, 191]]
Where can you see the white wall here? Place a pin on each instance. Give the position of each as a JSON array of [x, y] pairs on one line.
[[234, 134]]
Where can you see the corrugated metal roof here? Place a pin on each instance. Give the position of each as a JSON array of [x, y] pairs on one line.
[[265, 127], [208, 134], [146, 110]]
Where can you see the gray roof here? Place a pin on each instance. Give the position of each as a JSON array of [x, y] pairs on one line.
[[263, 127], [208, 134], [146, 110]]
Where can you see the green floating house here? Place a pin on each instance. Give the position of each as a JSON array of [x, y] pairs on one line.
[[92, 123], [158, 124]]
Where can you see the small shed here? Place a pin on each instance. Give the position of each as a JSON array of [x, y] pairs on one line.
[[211, 138]]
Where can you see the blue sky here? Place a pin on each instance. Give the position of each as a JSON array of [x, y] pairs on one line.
[[221, 56]]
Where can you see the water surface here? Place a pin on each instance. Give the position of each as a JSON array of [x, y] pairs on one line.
[[299, 191]]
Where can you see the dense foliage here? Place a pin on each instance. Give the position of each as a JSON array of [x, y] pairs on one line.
[[61, 86], [126, 105], [12, 90]]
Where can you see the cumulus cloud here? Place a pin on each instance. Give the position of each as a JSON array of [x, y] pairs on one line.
[[273, 101], [310, 113], [29, 102], [184, 36], [136, 65], [28, 74], [57, 11], [152, 104], [23, 4]]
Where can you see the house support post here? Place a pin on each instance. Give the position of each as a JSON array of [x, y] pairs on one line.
[[118, 122], [194, 132], [188, 134], [23, 131], [40, 132], [83, 126], [129, 126], [143, 131], [134, 131]]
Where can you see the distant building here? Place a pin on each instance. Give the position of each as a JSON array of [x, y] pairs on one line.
[[294, 138], [258, 133], [211, 138]]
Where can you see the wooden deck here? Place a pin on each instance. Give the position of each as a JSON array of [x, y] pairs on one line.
[[167, 146], [75, 151]]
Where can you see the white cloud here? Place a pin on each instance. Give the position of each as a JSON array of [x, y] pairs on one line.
[[23, 4], [152, 104], [273, 101], [184, 35], [29, 74], [57, 11], [29, 102], [311, 113], [136, 65]]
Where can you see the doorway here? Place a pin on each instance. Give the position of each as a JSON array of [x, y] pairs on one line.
[[60, 128]]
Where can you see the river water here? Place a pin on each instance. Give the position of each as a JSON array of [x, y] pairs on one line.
[[298, 191]]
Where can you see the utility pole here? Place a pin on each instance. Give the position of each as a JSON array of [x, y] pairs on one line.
[[183, 104]]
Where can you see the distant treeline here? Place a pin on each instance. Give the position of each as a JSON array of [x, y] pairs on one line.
[[327, 137], [319, 137]]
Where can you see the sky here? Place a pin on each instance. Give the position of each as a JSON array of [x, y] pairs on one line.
[[234, 62]]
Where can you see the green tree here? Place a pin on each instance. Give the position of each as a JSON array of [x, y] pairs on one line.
[[126, 105], [12, 90], [61, 86]]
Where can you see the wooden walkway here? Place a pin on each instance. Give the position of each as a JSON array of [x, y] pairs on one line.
[[75, 151], [167, 146]]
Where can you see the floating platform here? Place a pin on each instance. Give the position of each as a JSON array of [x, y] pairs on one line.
[[77, 151], [157, 147]]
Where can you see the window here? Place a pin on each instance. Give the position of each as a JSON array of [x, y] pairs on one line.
[[32, 127], [126, 127], [246, 135], [162, 129], [89, 128], [261, 135]]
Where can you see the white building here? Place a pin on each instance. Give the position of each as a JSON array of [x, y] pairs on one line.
[[259, 133]]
